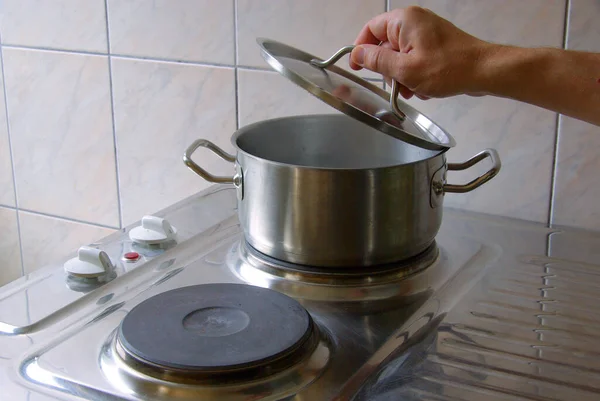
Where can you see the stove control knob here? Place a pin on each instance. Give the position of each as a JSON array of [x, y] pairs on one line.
[[89, 263], [153, 231]]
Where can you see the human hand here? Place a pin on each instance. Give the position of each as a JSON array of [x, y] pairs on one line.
[[426, 54]]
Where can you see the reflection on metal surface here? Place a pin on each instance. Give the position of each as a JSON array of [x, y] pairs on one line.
[[168, 276], [352, 276], [85, 284], [105, 299], [529, 332], [381, 283], [426, 319], [157, 383]]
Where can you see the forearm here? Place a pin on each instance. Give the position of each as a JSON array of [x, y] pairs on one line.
[[567, 82]]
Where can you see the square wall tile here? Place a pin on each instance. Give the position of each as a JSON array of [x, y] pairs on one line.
[[47, 240], [160, 109], [192, 30], [517, 22], [10, 254], [317, 27], [56, 24], [584, 29], [576, 185], [7, 190], [61, 131], [263, 95]]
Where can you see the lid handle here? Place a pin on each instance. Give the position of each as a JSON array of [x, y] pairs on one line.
[[348, 49], [333, 59]]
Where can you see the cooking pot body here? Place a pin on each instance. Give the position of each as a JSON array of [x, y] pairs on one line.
[[323, 217], [328, 191]]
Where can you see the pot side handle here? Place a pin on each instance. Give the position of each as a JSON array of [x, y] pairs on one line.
[[204, 143], [479, 181]]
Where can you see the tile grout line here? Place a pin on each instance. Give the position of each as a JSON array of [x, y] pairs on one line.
[[555, 154], [54, 216], [112, 116], [52, 49], [558, 124], [235, 70], [69, 219], [173, 61], [12, 159], [161, 60], [125, 56]]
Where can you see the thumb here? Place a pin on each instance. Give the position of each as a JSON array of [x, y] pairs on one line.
[[386, 62]]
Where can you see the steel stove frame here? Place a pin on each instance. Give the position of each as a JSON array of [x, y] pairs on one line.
[[505, 310]]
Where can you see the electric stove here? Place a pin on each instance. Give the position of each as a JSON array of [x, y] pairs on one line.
[[180, 306]]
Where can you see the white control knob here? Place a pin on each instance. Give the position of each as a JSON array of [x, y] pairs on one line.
[[153, 230], [90, 262]]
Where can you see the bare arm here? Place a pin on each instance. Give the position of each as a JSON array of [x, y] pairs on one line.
[[567, 82], [430, 57]]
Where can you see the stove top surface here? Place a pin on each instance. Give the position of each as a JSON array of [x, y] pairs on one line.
[[498, 309]]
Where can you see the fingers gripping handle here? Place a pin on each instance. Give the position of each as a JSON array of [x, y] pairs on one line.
[[203, 143]]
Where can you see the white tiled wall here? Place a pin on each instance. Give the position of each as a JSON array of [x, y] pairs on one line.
[[54, 24], [318, 27], [190, 30], [160, 108], [48, 238], [103, 96], [577, 183], [61, 134], [282, 98]]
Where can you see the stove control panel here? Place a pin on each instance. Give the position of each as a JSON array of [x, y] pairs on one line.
[[138, 253]]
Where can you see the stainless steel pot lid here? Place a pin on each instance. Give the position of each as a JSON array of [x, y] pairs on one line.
[[355, 96]]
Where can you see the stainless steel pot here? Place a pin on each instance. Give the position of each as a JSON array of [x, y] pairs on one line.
[[328, 190]]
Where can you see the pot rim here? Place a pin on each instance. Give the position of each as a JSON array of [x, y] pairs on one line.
[[253, 125]]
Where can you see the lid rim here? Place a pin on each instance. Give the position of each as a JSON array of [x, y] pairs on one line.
[[349, 109]]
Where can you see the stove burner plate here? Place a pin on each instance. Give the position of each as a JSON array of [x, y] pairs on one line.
[[215, 328], [350, 275], [360, 289]]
